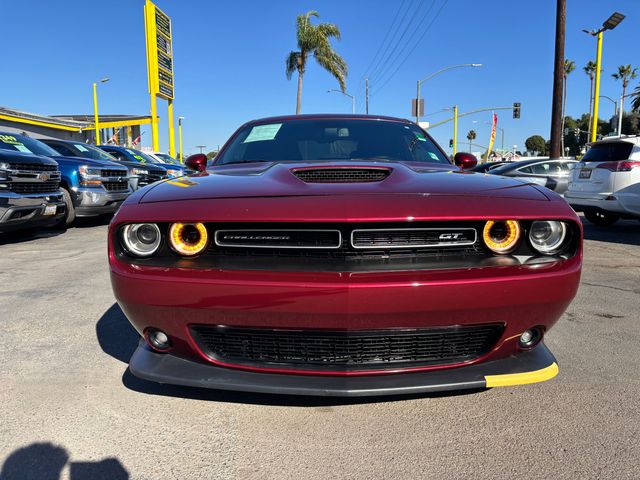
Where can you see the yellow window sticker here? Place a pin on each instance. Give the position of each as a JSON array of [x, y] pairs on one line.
[[261, 133], [10, 139]]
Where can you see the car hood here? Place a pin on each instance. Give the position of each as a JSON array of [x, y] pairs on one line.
[[24, 157], [152, 167], [89, 161], [273, 179]]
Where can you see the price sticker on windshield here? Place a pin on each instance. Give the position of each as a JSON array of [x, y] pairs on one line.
[[261, 133]]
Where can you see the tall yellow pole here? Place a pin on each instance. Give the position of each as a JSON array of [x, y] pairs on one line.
[[596, 92], [180, 138], [455, 129], [95, 113], [172, 134]]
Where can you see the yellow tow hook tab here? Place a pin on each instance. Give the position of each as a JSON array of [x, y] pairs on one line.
[[509, 379]]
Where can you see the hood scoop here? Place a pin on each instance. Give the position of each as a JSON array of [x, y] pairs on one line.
[[345, 174]]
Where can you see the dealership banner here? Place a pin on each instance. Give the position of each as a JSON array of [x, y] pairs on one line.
[[494, 125]]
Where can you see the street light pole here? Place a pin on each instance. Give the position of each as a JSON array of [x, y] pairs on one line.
[[353, 99], [611, 23], [180, 138], [420, 82], [96, 121]]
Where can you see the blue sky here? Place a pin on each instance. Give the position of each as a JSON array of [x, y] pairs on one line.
[[229, 60]]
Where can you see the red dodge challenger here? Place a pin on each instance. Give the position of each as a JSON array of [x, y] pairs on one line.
[[343, 255]]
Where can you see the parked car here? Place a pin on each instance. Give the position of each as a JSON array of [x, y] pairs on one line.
[[139, 175], [605, 184], [132, 155], [485, 167], [89, 187], [30, 193], [343, 255], [553, 174]]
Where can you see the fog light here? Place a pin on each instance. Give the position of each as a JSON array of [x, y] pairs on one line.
[[530, 338], [158, 340]]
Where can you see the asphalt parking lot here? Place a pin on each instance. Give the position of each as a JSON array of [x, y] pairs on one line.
[[71, 410]]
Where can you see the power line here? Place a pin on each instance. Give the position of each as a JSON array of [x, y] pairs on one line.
[[391, 59], [375, 57], [412, 49], [382, 60]]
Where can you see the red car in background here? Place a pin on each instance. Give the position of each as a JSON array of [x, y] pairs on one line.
[[343, 255]]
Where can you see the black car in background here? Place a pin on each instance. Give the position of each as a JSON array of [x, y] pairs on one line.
[[141, 174], [553, 174], [30, 193]]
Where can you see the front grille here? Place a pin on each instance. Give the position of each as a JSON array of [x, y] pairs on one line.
[[274, 238], [32, 167], [346, 350], [412, 237], [34, 187], [113, 173], [116, 186], [341, 175]]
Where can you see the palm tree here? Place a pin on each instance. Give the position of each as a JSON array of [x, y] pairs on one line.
[[471, 136], [315, 40], [625, 73], [590, 70], [569, 66]]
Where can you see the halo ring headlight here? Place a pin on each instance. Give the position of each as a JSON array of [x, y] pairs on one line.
[[188, 239], [547, 236], [501, 236], [141, 239]]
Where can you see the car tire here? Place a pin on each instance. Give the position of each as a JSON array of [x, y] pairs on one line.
[[70, 211], [600, 218]]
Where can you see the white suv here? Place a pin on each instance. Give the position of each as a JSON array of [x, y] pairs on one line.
[[605, 184]]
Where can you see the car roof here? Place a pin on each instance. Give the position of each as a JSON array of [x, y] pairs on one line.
[[634, 139], [325, 116]]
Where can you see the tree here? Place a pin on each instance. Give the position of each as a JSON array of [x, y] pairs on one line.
[[471, 136], [211, 155], [624, 73], [568, 67], [535, 143], [590, 70], [315, 40]]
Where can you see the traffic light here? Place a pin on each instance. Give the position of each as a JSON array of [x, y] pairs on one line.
[[516, 110], [451, 143]]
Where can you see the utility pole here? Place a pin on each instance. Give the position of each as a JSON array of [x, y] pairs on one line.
[[366, 96], [558, 67]]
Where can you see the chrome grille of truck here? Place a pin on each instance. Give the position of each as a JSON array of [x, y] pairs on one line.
[[116, 186], [32, 168], [34, 187]]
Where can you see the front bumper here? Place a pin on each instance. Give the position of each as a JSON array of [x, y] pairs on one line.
[[93, 201], [532, 366], [24, 211]]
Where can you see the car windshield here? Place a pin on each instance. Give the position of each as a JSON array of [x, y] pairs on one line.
[[20, 143], [94, 153], [141, 156], [167, 158], [331, 139], [608, 152]]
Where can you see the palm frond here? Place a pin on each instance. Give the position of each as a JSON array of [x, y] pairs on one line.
[[332, 62], [635, 105], [293, 63], [329, 30]]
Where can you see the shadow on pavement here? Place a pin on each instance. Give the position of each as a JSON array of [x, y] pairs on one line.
[[625, 232], [119, 339], [30, 234], [45, 461], [115, 334]]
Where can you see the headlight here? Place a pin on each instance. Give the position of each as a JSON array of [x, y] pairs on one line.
[[174, 173], [188, 238], [3, 170], [547, 236], [501, 236], [139, 171], [141, 239], [86, 171]]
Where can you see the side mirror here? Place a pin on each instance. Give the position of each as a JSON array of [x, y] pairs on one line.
[[197, 162], [465, 161]]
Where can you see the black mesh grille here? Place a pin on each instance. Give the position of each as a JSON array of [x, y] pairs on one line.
[[34, 187], [113, 173], [425, 237], [353, 350], [116, 186], [341, 175], [33, 167]]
